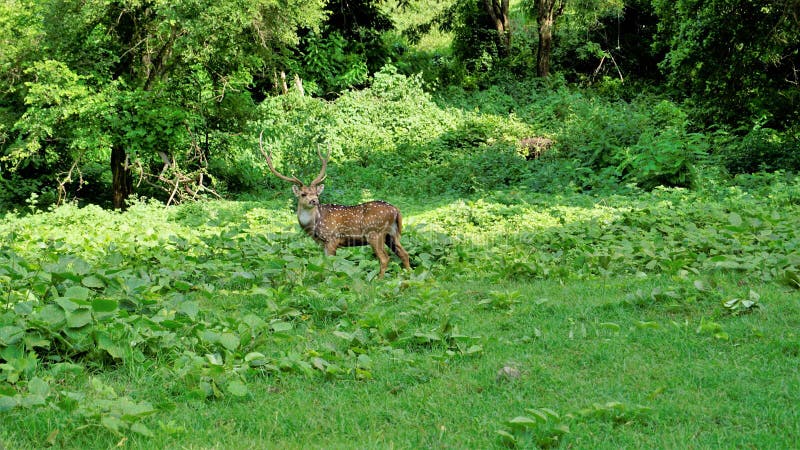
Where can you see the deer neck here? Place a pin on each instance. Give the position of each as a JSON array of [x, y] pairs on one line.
[[309, 219]]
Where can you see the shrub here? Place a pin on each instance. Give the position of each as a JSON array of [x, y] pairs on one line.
[[761, 149], [667, 158]]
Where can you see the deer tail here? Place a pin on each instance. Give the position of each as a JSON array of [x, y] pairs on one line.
[[399, 222], [393, 239]]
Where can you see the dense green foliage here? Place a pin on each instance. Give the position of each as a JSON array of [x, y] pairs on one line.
[[103, 100], [735, 59]]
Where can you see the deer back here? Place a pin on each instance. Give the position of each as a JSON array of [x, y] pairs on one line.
[[352, 225]]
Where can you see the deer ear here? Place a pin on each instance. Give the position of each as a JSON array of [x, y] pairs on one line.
[[320, 187], [296, 190]]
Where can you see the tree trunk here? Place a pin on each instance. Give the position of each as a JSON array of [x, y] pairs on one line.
[[121, 182], [498, 12], [547, 14], [545, 47]]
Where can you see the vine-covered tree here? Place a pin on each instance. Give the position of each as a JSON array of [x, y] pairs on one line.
[[499, 14], [137, 84]]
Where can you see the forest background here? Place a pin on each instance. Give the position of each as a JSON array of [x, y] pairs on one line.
[[104, 100]]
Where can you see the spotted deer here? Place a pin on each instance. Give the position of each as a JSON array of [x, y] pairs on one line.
[[375, 223]]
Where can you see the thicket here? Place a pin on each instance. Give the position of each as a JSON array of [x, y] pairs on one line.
[[165, 101]]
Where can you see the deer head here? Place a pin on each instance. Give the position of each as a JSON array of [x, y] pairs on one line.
[[307, 195]]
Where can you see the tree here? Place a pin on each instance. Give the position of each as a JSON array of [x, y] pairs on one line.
[[498, 12], [134, 83], [547, 11], [479, 40]]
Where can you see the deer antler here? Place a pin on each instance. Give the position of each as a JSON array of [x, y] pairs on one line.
[[324, 160], [293, 180]]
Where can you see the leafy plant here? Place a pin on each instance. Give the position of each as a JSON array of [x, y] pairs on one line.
[[543, 427], [739, 305]]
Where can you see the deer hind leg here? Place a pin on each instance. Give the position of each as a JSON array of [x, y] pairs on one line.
[[377, 245], [393, 241], [330, 248]]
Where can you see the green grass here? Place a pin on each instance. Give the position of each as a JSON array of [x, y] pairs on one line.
[[609, 310]]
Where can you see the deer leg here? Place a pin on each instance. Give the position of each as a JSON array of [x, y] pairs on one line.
[[377, 245], [393, 241], [330, 248]]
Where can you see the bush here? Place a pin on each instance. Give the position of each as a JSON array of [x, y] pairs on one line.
[[667, 158], [761, 149]]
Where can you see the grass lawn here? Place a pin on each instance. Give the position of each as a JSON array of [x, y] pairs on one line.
[[663, 320]]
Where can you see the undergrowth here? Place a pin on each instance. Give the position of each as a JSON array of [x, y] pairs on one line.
[[209, 301]]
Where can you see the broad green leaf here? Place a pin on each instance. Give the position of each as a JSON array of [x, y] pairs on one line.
[[209, 337], [140, 428], [79, 318], [36, 339], [280, 326], [730, 304], [181, 286], [104, 305], [254, 322], [111, 423], [190, 308], [37, 386], [7, 403], [229, 340], [539, 414], [23, 308], [522, 422], [727, 263], [172, 324], [364, 360], [255, 359], [549, 412], [735, 219], [67, 304], [10, 334], [642, 324], [610, 326], [93, 282], [105, 342], [52, 314], [562, 428], [343, 335], [237, 388], [31, 400], [430, 336], [473, 349], [214, 359], [77, 293], [133, 410], [319, 363], [507, 438]]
